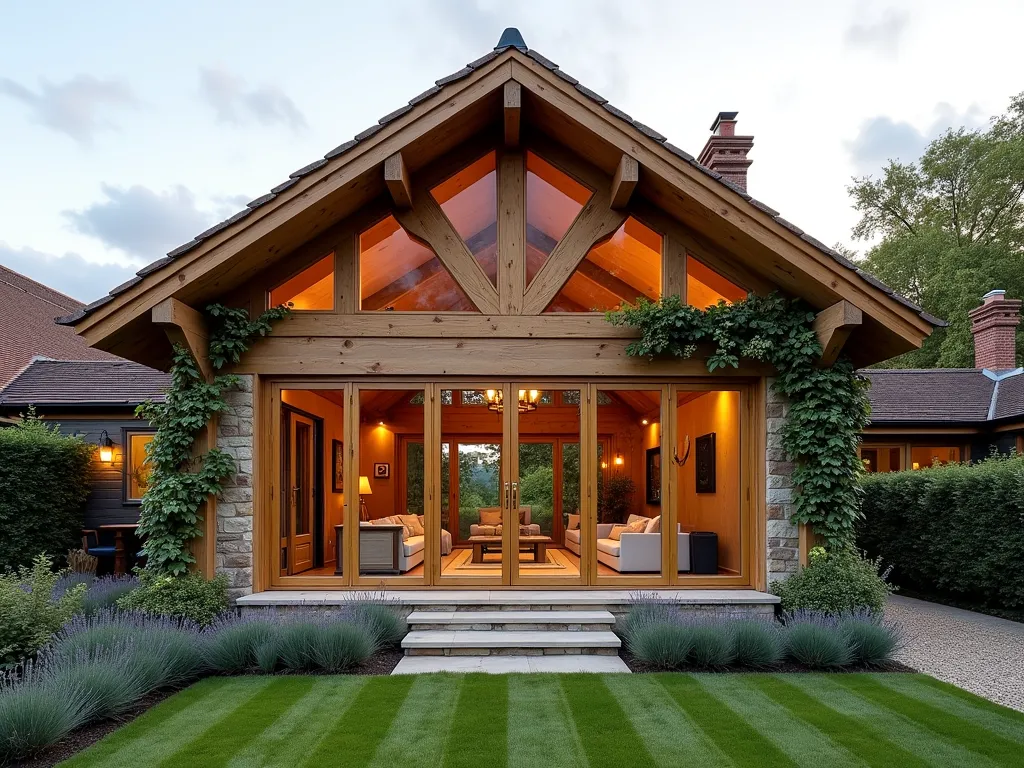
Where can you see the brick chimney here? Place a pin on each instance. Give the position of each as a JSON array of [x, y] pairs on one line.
[[994, 325], [726, 152]]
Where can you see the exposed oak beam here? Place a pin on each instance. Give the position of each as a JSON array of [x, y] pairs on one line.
[[513, 111], [396, 178], [185, 327], [833, 326], [625, 180]]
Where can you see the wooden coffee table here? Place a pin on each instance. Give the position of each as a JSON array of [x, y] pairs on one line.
[[539, 545]]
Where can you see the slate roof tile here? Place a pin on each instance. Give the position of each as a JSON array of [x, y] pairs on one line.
[[84, 382]]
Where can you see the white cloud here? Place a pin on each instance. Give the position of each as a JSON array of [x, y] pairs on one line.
[[233, 102], [70, 274], [882, 35]]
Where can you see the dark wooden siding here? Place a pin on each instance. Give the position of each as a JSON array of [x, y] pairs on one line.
[[106, 503]]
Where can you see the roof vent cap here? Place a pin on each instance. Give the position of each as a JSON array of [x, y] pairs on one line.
[[511, 38]]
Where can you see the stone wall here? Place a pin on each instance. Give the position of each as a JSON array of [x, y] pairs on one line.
[[234, 504], [783, 537]]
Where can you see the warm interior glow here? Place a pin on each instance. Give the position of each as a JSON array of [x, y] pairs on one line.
[[705, 287], [926, 456], [310, 290], [618, 270], [470, 201], [619, 461], [553, 200], [399, 273]]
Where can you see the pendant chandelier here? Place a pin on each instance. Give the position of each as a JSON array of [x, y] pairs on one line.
[[528, 399]]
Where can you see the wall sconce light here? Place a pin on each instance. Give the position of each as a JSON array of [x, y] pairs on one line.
[[645, 422], [619, 461], [916, 465], [106, 448], [604, 465]]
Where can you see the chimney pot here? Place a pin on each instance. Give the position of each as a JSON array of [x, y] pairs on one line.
[[994, 326], [725, 152]]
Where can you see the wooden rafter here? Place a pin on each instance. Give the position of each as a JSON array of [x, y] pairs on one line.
[[426, 221], [396, 179], [627, 175], [834, 326], [511, 226], [513, 110], [185, 327], [595, 222]]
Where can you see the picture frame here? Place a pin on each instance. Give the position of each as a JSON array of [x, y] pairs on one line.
[[381, 470], [705, 464], [337, 466], [652, 475]]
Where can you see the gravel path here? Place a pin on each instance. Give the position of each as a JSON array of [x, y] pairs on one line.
[[981, 654]]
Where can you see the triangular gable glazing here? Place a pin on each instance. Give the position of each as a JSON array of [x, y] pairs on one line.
[[553, 200], [470, 201]]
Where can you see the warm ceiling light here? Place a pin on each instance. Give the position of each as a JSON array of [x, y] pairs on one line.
[[528, 400], [619, 461], [645, 422], [106, 448], [380, 423]]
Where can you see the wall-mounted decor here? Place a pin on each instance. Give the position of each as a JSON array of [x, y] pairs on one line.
[[381, 469], [337, 466], [652, 475], [705, 466]]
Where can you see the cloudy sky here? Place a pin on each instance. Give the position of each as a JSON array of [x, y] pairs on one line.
[[127, 127]]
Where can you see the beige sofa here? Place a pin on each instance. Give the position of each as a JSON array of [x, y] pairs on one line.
[[631, 552], [526, 528], [410, 552]]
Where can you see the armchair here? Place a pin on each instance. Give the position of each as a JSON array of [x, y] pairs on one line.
[[526, 528]]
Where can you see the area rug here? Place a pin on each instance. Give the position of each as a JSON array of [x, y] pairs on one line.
[[492, 560]]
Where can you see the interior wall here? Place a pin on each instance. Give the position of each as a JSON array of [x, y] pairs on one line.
[[651, 439], [334, 429], [717, 412], [377, 444]]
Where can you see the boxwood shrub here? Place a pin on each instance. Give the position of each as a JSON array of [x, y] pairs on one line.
[[954, 530]]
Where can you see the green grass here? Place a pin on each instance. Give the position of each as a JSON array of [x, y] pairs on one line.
[[558, 721]]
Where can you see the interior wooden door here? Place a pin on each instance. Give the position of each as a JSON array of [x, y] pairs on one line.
[[301, 491]]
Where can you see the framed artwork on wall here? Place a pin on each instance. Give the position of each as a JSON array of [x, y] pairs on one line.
[[337, 466], [705, 467], [381, 470], [652, 475]]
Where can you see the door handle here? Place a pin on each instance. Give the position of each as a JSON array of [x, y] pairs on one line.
[[515, 498], [507, 503]]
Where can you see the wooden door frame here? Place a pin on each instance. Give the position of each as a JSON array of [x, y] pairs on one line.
[[317, 458]]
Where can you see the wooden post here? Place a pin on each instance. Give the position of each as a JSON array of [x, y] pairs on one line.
[[186, 327], [833, 326], [513, 109], [396, 178], [625, 180]]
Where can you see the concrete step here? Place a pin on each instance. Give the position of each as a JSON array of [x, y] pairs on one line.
[[463, 642], [512, 620]]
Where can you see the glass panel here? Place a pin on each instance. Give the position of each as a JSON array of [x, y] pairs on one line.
[[399, 273], [470, 201], [310, 290], [618, 270], [392, 486], [895, 459], [628, 538], [571, 397], [705, 287], [313, 465], [922, 457], [136, 468], [708, 428], [553, 200], [869, 458], [471, 438]]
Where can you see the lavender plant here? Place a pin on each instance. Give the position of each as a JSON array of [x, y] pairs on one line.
[[816, 640]]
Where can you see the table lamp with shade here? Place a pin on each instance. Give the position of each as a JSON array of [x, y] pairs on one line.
[[364, 490]]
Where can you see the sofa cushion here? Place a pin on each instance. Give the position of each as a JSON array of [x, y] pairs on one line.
[[574, 522], [617, 531], [412, 522], [608, 547], [490, 516], [573, 536], [654, 526], [633, 518], [413, 545], [485, 530]]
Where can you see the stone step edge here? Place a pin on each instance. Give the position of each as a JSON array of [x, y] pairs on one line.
[[509, 639], [511, 617]]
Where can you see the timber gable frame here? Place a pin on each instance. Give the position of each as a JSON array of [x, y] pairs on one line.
[[528, 96]]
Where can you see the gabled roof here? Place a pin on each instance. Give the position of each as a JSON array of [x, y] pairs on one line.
[[27, 328], [751, 216], [940, 396], [84, 383]]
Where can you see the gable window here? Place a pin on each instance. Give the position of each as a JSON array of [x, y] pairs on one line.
[[705, 287], [399, 273], [553, 200], [470, 201], [616, 271], [310, 290], [136, 470]]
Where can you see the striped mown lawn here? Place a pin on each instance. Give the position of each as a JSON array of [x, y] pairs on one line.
[[553, 721]]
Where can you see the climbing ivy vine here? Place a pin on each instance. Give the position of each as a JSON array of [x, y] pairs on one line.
[[828, 406], [180, 479]]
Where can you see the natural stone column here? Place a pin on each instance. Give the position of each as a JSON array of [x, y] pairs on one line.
[[783, 537], [234, 504]]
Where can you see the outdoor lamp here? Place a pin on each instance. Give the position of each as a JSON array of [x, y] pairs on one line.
[[106, 448], [364, 490]]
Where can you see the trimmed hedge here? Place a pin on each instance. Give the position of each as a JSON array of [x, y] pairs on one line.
[[44, 481], [954, 530]]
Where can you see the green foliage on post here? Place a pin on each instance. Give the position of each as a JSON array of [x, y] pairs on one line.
[[828, 406], [180, 481], [44, 482]]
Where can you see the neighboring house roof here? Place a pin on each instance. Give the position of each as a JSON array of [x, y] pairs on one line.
[[511, 39], [27, 327], [85, 383], [945, 395]]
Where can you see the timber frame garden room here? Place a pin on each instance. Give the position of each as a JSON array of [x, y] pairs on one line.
[[446, 403]]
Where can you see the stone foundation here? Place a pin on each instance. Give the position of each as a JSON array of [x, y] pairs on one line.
[[235, 502], [782, 536]]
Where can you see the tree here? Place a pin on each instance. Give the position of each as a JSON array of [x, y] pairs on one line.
[[951, 228]]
